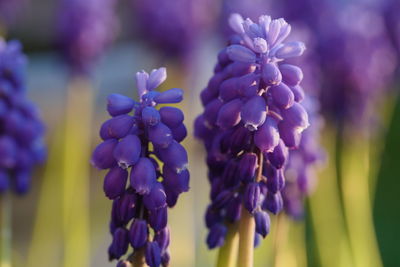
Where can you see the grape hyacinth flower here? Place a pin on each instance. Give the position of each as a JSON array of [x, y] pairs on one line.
[[21, 130], [86, 29], [169, 24], [142, 144], [252, 120]]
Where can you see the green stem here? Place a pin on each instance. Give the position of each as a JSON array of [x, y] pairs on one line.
[[138, 258], [5, 253], [228, 252], [247, 228]]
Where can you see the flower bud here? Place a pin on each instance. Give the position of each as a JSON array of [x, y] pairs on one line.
[[271, 74], [176, 182], [153, 254], [138, 233], [234, 209], [290, 49], [156, 198], [22, 181], [292, 75], [229, 114], [263, 222], [212, 217], [174, 95], [143, 176], [102, 157], [282, 95], [279, 156], [120, 242], [251, 198], [124, 207], [115, 182], [157, 77], [241, 54], [171, 116], [247, 167], [273, 202], [174, 156], [158, 218], [8, 152], [296, 116], [254, 112], [150, 116], [266, 137], [127, 151], [160, 135], [119, 104], [162, 238], [216, 236], [179, 133], [119, 126]]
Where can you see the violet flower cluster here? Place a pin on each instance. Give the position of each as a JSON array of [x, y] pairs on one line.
[[170, 25], [21, 129], [86, 29], [135, 145], [253, 115]]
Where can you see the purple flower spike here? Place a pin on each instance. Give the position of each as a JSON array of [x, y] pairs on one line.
[[143, 176], [115, 182], [216, 236], [153, 254], [262, 223], [139, 139], [252, 113], [127, 151], [138, 233], [119, 104]]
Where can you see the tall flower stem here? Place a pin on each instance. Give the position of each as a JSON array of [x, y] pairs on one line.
[[228, 252], [247, 229], [5, 253], [76, 171]]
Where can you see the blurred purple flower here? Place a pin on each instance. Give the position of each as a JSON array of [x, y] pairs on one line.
[[22, 130], [9, 10], [175, 27], [85, 30], [138, 137]]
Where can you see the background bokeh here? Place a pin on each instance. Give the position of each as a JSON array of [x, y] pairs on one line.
[[352, 218]]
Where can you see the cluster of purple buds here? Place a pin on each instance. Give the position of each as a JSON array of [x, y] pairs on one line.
[[146, 146], [303, 163], [86, 29], [21, 129], [253, 115]]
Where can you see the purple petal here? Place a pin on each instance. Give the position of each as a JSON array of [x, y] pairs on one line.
[[251, 198], [160, 135], [156, 198], [174, 156], [102, 157], [171, 116], [153, 254], [156, 78], [179, 133], [290, 49], [158, 218], [174, 95], [141, 82], [282, 95], [263, 223], [229, 114], [119, 104], [292, 75], [271, 74], [138, 233], [254, 112], [150, 116], [216, 236]]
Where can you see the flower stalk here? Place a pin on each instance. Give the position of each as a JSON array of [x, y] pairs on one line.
[[5, 253], [227, 254]]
